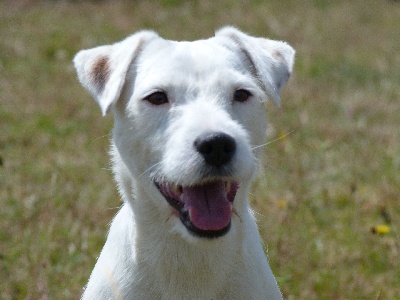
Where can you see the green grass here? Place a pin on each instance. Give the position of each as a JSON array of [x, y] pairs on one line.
[[321, 188]]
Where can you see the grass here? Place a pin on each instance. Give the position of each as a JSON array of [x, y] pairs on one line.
[[320, 191]]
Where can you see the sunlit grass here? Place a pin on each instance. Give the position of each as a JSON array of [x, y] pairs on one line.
[[332, 174]]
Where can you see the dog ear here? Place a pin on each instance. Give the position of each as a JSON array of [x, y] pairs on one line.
[[271, 62], [102, 70]]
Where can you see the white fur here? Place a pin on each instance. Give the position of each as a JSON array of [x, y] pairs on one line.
[[149, 254]]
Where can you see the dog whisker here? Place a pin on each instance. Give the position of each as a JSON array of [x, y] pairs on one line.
[[103, 136], [116, 207], [273, 141], [150, 169], [259, 214], [106, 169]]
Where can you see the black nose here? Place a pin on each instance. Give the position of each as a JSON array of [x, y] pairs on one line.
[[217, 148]]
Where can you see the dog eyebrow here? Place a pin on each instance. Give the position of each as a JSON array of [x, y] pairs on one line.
[[247, 57]]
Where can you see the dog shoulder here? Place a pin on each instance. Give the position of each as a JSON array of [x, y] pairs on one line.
[[114, 265]]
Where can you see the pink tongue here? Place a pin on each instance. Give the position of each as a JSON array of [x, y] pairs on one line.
[[208, 205]]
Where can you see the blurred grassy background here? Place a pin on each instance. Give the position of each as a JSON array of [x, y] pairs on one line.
[[321, 190]]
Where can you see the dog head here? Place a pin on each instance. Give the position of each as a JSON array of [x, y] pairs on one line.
[[187, 117]]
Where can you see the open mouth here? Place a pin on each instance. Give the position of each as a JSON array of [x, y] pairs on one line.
[[205, 209]]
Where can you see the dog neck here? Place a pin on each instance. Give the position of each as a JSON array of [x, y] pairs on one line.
[[161, 252]]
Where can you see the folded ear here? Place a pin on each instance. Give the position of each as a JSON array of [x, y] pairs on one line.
[[102, 70], [271, 62]]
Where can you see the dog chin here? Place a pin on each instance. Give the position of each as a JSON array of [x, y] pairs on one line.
[[205, 209]]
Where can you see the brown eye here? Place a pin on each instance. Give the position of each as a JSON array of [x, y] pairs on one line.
[[241, 96], [157, 98]]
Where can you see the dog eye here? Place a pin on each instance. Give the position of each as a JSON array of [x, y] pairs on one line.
[[241, 95], [157, 98]]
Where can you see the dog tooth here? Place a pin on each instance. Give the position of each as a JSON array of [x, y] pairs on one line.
[[176, 190], [228, 186]]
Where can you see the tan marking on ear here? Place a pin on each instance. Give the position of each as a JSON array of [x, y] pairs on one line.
[[277, 55], [100, 72]]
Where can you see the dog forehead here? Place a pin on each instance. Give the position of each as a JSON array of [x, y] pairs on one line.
[[189, 58]]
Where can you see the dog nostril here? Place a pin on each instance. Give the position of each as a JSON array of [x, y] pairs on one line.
[[217, 148]]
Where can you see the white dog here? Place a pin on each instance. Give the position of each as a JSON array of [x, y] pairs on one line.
[[188, 117]]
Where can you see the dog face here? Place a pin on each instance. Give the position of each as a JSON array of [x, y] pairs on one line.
[[187, 115]]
